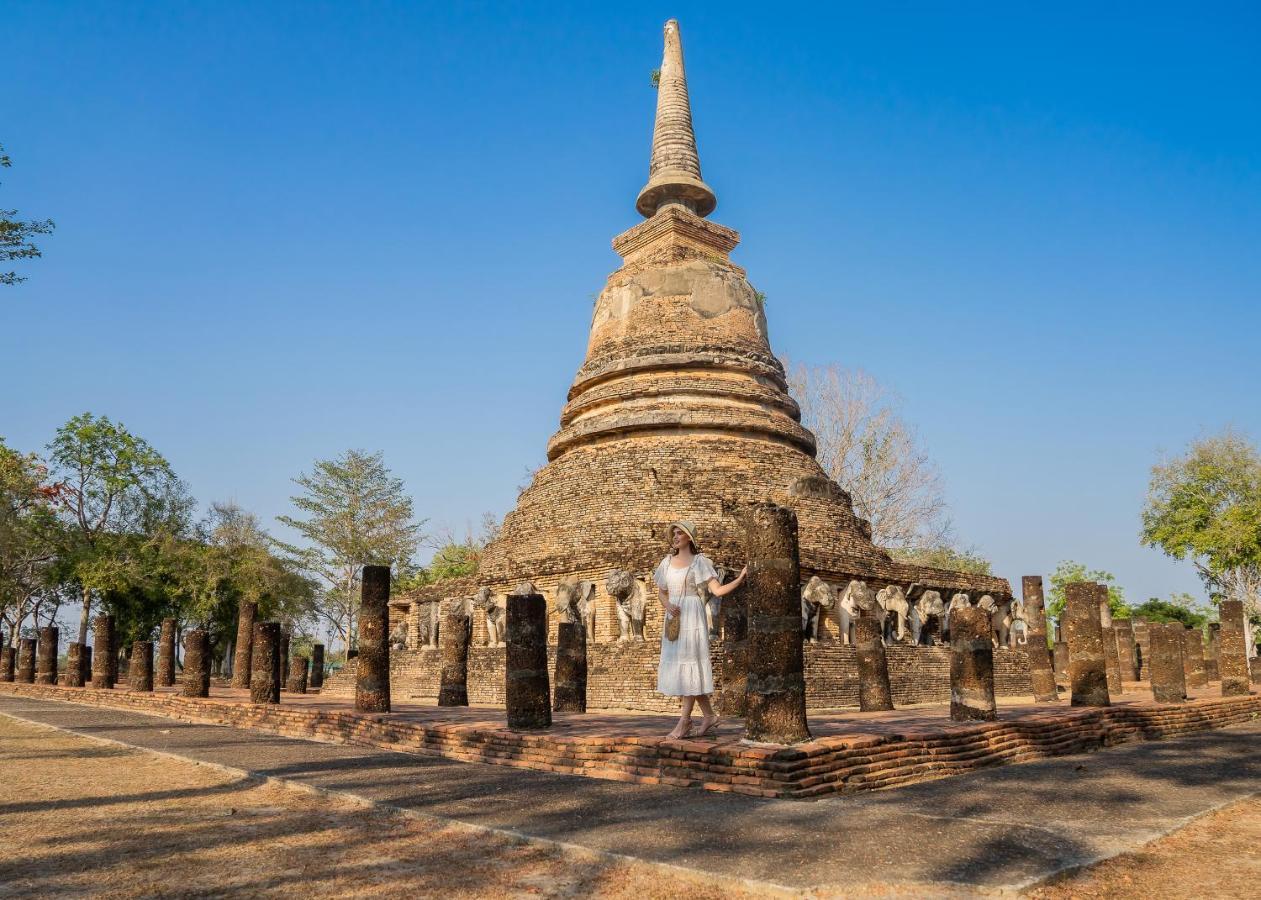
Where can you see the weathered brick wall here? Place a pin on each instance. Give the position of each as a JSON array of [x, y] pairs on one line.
[[624, 676]]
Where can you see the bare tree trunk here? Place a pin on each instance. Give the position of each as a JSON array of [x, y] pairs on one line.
[[85, 616]]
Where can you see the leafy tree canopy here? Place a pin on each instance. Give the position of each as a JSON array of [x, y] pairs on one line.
[[15, 234], [1067, 572], [943, 557], [1178, 608]]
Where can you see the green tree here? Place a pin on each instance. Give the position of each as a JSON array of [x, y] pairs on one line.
[[15, 234], [356, 513], [944, 557], [452, 558], [110, 487], [1178, 608], [28, 537], [1067, 572], [1205, 506]]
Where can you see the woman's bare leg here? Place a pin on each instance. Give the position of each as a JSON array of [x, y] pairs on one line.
[[707, 711], [685, 718]]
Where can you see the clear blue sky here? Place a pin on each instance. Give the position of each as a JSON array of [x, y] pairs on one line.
[[289, 229]]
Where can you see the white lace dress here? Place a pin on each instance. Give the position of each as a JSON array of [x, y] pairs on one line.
[[685, 669]]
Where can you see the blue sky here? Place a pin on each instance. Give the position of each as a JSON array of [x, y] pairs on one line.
[[289, 229]]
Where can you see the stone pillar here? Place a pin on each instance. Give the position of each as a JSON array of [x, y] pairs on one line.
[[74, 665], [246, 615], [775, 710], [196, 664], [1142, 648], [972, 666], [140, 673], [874, 693], [1193, 658], [372, 672], [1214, 650], [1168, 678], [104, 653], [1041, 665], [1124, 629], [297, 675], [734, 660], [284, 658], [1232, 659], [317, 667], [1112, 661], [8, 664], [26, 661], [166, 654], [454, 639], [265, 663], [571, 668], [526, 688], [1087, 665], [1059, 653], [87, 663], [46, 658]]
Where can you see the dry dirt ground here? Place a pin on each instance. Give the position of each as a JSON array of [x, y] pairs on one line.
[[81, 818]]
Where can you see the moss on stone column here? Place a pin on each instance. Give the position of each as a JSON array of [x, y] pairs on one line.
[[140, 674], [297, 681], [166, 654], [372, 671], [1168, 675], [571, 668], [971, 666], [526, 686], [246, 616], [1041, 664], [775, 704], [46, 657], [196, 664], [1087, 665], [454, 638], [874, 691], [265, 663]]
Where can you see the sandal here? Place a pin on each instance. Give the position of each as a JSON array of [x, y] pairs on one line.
[[706, 729], [687, 732]]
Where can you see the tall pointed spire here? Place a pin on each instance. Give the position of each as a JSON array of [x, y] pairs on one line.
[[674, 175]]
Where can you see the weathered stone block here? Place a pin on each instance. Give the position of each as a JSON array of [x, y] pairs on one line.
[[246, 616], [26, 661], [140, 672], [775, 709], [571, 668], [317, 667], [8, 663], [1168, 678], [196, 664], [46, 662], [297, 681], [1126, 649], [454, 638], [265, 663], [74, 666], [526, 689], [372, 670], [1193, 658], [166, 654], [104, 652], [874, 691], [1041, 665], [1087, 664], [971, 666], [1232, 661]]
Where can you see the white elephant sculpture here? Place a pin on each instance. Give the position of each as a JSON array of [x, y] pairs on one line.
[[575, 602], [1000, 615], [957, 601], [496, 608], [631, 597], [817, 600], [892, 600], [712, 604], [928, 608], [857, 600]]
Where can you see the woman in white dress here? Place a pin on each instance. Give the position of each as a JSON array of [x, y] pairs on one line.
[[685, 670]]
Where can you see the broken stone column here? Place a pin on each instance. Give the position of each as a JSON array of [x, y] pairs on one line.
[[971, 666], [454, 638], [526, 686], [1193, 658], [140, 673], [297, 675], [246, 615], [46, 659], [874, 692], [571, 668], [1087, 665], [8, 663], [317, 667], [284, 658], [265, 663], [166, 654], [104, 653], [196, 664], [1168, 677], [74, 666], [1124, 629], [1041, 665], [1214, 650], [1232, 659], [372, 671], [734, 660], [1112, 659], [26, 661], [1059, 653], [775, 704]]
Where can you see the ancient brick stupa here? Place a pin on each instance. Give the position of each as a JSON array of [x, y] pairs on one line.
[[680, 409]]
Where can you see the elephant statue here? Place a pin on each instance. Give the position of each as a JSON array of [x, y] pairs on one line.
[[1000, 615], [817, 600], [957, 601], [427, 622], [575, 602], [892, 599], [928, 609], [496, 609], [1019, 624], [398, 637], [857, 600], [632, 601]]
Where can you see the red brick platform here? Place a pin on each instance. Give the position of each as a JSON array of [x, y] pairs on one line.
[[850, 751]]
